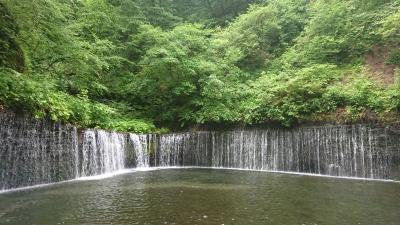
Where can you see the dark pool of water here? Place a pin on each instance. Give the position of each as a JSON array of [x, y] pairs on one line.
[[206, 197]]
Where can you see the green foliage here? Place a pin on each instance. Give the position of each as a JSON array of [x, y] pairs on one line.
[[129, 64], [220, 101], [170, 70], [41, 98], [290, 95], [10, 53], [264, 32], [394, 58], [339, 31], [210, 12], [391, 25]]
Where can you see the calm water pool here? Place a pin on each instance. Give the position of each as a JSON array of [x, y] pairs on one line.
[[206, 197]]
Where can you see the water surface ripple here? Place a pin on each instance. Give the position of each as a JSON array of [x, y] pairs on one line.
[[206, 197]]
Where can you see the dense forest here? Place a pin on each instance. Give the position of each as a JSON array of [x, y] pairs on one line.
[[153, 65]]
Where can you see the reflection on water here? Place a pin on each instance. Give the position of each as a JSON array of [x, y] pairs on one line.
[[206, 197]]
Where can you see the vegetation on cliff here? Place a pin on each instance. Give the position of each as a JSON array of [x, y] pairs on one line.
[[139, 65]]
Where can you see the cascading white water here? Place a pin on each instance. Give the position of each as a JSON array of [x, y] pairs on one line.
[[102, 152], [35, 151], [184, 149], [350, 151], [39, 151], [170, 146], [141, 145]]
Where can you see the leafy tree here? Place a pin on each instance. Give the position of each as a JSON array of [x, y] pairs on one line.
[[129, 64], [11, 54]]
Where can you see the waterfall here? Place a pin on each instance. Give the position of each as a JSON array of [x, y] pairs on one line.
[[40, 151], [141, 145], [347, 151], [102, 152], [184, 149], [35, 152]]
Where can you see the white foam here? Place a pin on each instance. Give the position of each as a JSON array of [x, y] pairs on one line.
[[32, 187], [284, 172], [117, 173], [128, 171]]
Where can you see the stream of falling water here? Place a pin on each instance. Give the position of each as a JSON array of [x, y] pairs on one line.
[[348, 151], [141, 145], [102, 152], [36, 152]]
